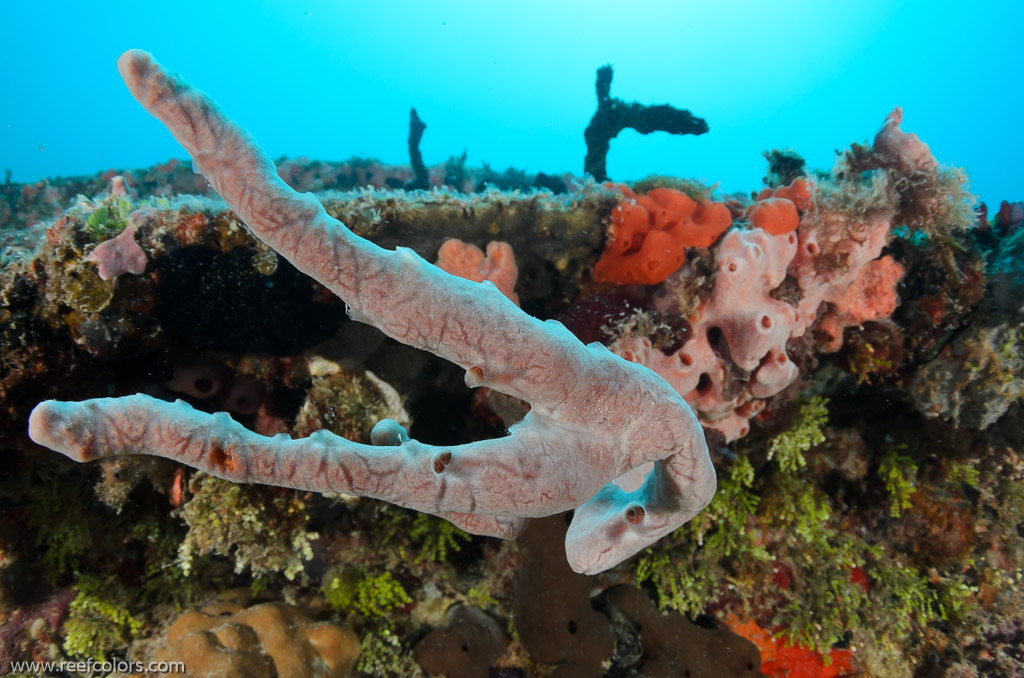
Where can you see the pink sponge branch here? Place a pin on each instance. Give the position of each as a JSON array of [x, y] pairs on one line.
[[593, 418]]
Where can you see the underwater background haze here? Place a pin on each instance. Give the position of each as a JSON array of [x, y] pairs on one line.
[[512, 84]]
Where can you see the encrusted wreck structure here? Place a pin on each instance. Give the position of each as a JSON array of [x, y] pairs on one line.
[[843, 346]]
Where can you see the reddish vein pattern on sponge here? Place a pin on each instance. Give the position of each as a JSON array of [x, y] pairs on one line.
[[593, 418], [650, 233]]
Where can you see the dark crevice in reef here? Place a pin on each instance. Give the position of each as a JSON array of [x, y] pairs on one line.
[[436, 408], [216, 301]]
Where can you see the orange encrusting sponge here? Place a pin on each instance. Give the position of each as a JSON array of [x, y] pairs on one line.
[[779, 659], [775, 215], [650, 233], [799, 192], [776, 210]]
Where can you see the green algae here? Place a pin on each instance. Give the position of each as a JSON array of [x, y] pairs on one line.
[[262, 529], [99, 621]]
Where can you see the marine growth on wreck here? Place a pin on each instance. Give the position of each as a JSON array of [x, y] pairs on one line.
[[651, 428]]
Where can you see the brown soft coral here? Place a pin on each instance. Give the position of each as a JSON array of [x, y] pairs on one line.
[[464, 648], [674, 646], [554, 617]]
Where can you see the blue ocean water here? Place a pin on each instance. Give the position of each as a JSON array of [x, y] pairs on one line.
[[512, 84]]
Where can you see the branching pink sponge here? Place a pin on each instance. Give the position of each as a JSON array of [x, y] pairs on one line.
[[593, 417]]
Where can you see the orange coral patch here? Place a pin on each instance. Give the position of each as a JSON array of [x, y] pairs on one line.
[[781, 660], [775, 215], [630, 224], [649, 235], [798, 192], [469, 261], [795, 661]]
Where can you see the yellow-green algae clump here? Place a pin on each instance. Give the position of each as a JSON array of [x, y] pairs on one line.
[[774, 543], [262, 528]]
